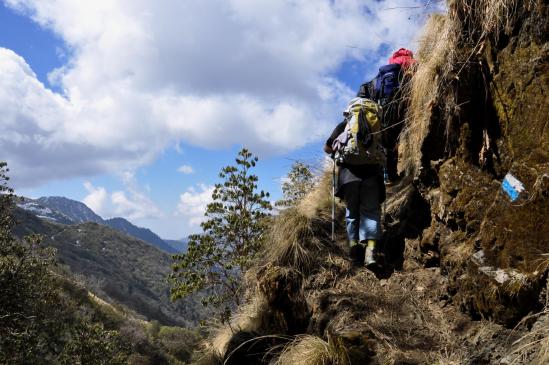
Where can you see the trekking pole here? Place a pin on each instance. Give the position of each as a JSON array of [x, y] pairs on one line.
[[333, 198]]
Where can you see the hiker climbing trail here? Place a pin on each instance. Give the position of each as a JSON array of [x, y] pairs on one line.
[[464, 228], [308, 285]]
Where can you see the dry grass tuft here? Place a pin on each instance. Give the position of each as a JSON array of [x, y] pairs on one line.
[[290, 239], [252, 317], [317, 204], [445, 357], [486, 17], [533, 347], [312, 350], [212, 350], [295, 236], [395, 205], [299, 232], [436, 57]]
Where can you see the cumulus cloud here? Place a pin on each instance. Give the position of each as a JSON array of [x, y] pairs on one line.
[[96, 199], [193, 202], [142, 75], [134, 206], [130, 203], [186, 169]]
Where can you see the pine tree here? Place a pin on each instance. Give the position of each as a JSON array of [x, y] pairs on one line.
[[299, 182], [233, 233]]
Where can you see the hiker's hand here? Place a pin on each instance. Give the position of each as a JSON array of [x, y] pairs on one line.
[[328, 150]]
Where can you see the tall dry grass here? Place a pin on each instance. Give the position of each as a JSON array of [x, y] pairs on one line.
[[536, 341], [317, 203], [298, 233], [533, 347], [446, 49], [436, 56], [293, 241], [481, 18], [251, 317], [312, 350]]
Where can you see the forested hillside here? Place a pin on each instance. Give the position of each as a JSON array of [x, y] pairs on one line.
[[67, 211], [84, 294], [116, 267]]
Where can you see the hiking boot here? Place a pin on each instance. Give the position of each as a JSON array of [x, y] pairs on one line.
[[369, 255], [356, 254]]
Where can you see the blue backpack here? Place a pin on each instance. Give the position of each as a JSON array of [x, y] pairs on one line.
[[387, 81]]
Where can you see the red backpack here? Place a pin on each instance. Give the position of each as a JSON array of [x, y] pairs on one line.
[[403, 57]]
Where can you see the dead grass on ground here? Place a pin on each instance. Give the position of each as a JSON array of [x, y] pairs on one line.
[[401, 316], [449, 357], [533, 347]]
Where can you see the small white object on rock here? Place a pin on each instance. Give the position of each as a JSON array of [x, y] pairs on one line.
[[478, 257]]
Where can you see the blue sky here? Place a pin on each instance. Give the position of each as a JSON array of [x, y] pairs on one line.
[[105, 102]]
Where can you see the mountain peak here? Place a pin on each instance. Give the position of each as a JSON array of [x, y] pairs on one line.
[[145, 234], [77, 211]]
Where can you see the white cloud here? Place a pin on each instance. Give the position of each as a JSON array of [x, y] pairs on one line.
[[186, 169], [96, 199], [193, 202], [134, 206], [141, 76], [130, 203]]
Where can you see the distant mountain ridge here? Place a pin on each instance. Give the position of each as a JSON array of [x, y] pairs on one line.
[[113, 265], [78, 212], [67, 211], [144, 234], [42, 211], [178, 245]]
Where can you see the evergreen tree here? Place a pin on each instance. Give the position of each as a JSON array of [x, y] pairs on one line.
[[233, 233], [299, 182]]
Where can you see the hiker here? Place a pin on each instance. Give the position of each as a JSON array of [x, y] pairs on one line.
[[386, 90], [360, 178]]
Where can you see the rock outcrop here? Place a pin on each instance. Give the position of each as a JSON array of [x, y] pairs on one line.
[[489, 119]]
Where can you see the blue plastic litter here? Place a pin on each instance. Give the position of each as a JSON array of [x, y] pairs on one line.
[[512, 187]]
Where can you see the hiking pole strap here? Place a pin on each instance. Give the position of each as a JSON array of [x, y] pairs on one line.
[[333, 198]]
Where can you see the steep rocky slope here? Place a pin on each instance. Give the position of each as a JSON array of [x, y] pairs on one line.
[[465, 280], [487, 118]]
